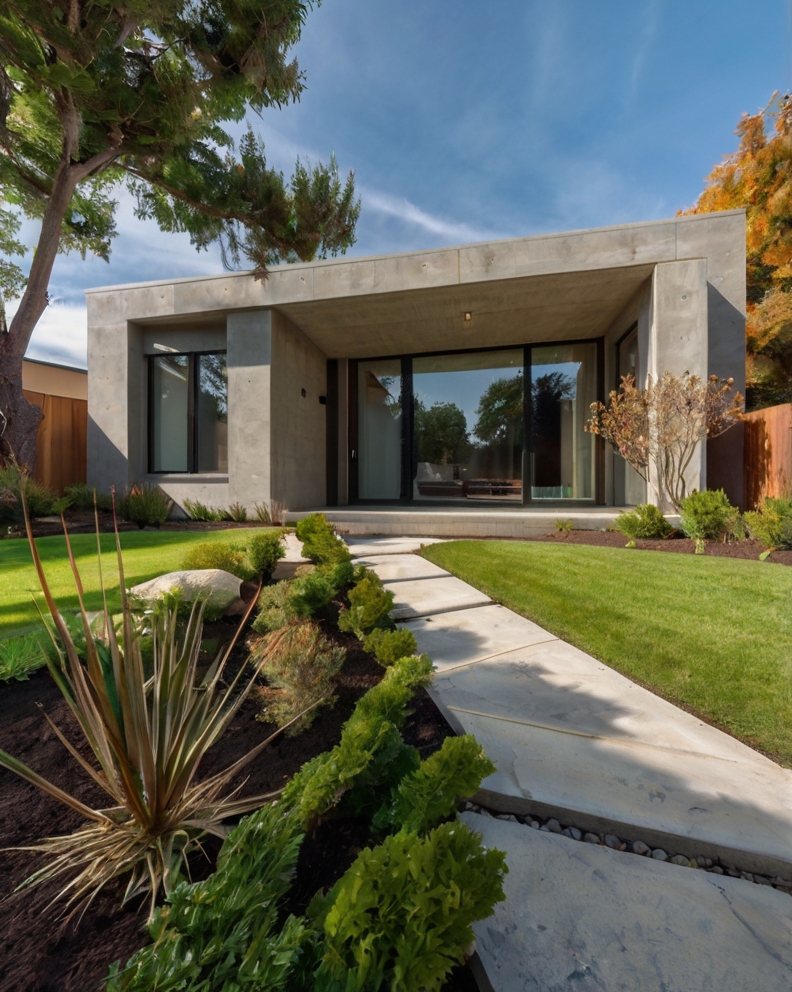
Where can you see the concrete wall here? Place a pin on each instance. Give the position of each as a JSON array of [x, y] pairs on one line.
[[299, 422]]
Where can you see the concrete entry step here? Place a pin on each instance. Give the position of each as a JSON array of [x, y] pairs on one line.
[[582, 918]]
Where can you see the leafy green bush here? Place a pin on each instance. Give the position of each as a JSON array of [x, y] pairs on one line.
[[21, 656], [709, 516], [145, 504], [771, 523], [275, 607], [300, 669], [310, 593], [264, 552], [320, 544], [221, 933], [401, 917], [216, 554], [388, 646], [81, 497], [40, 498], [430, 794], [369, 607], [645, 521]]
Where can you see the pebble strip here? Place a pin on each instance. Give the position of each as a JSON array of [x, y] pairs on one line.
[[713, 865]]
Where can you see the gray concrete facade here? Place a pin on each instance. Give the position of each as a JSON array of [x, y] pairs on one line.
[[682, 281]]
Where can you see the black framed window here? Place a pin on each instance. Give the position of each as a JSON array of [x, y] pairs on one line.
[[188, 412]]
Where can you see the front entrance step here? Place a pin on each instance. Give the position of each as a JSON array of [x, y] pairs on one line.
[[582, 918], [459, 522]]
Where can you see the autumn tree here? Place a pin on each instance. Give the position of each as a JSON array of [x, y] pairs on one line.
[[758, 178], [97, 93]]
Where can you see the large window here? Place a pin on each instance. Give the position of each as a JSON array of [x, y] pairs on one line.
[[188, 413]]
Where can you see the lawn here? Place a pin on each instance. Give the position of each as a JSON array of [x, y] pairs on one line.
[[146, 555], [711, 634]]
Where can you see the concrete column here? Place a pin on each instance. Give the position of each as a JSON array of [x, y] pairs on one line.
[[343, 432], [108, 405], [249, 356], [678, 338]]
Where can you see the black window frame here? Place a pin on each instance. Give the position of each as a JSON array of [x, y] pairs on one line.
[[193, 439]]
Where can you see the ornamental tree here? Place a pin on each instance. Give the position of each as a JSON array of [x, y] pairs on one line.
[[97, 93], [657, 430]]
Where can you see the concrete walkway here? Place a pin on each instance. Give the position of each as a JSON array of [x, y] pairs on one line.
[[572, 738]]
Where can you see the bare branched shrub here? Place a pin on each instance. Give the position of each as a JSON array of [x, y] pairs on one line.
[[657, 430]]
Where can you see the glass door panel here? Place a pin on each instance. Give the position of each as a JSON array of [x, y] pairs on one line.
[[170, 430], [563, 387], [379, 429], [468, 426]]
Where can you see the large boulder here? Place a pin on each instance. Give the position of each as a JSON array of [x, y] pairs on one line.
[[220, 589]]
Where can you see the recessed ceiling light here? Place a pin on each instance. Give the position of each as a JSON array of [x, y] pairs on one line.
[[468, 316]]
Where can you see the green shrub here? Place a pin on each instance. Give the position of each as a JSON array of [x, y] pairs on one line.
[[238, 513], [320, 544], [389, 698], [369, 607], [310, 593], [300, 667], [216, 554], [430, 794], [645, 521], [144, 504], [401, 917], [771, 523], [388, 646], [709, 516], [275, 607], [264, 551], [82, 498], [21, 656], [40, 498], [196, 510], [222, 933]]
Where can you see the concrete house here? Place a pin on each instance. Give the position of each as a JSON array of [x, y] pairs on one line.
[[440, 382]]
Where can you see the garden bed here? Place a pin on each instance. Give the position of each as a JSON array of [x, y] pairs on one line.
[[39, 952]]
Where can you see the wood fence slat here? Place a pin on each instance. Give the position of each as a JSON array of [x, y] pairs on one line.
[[768, 453], [61, 442]]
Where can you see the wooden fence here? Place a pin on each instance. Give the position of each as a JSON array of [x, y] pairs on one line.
[[61, 440], [768, 453]]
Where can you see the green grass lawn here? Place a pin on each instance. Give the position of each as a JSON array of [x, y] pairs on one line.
[[712, 634], [146, 554]]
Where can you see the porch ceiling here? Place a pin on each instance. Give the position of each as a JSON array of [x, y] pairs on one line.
[[561, 306]]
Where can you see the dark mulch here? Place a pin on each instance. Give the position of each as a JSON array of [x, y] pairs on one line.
[[39, 953], [680, 545]]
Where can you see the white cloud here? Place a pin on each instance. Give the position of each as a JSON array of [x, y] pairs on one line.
[[60, 336], [451, 232]]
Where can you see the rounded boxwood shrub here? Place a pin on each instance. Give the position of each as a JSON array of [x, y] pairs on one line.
[[388, 646], [264, 552], [645, 521], [771, 523], [215, 554], [709, 516]]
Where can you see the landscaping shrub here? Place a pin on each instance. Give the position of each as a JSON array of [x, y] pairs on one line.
[[238, 513], [401, 917], [645, 521], [275, 607], [388, 646], [300, 670], [320, 544], [221, 933], [81, 497], [21, 656], [145, 504], [310, 593], [39, 498], [771, 523], [196, 510], [709, 516], [264, 551], [216, 554], [369, 607]]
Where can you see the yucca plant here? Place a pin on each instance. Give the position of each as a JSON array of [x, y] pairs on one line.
[[149, 724]]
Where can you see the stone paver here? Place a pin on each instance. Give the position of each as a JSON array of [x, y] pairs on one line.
[[360, 546], [582, 918]]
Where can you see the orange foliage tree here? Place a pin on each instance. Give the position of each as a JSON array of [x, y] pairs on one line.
[[758, 178]]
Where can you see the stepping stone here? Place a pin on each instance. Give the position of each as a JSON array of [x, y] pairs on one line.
[[367, 546], [583, 918], [421, 587]]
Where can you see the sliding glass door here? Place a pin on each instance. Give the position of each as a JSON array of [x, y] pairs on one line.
[[503, 425]]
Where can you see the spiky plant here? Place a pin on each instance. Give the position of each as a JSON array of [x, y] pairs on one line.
[[148, 724]]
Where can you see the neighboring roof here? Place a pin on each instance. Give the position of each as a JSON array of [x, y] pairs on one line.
[[53, 379], [56, 365]]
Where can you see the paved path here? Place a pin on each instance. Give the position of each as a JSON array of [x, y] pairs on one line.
[[569, 735]]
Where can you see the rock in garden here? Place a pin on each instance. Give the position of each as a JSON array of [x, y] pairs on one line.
[[716, 870], [592, 839], [763, 880], [638, 847], [567, 832], [659, 854], [220, 588], [575, 833], [611, 840], [534, 824], [554, 826], [680, 859], [506, 816]]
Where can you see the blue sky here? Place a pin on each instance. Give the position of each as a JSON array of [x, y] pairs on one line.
[[466, 121]]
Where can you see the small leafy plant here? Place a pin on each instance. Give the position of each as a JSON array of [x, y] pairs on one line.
[[300, 672], [272, 513], [564, 527], [217, 554], [645, 522], [264, 551], [709, 516], [144, 504], [388, 646], [196, 510], [39, 498], [275, 607], [21, 656], [238, 513], [771, 523], [369, 607], [320, 544], [81, 497]]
